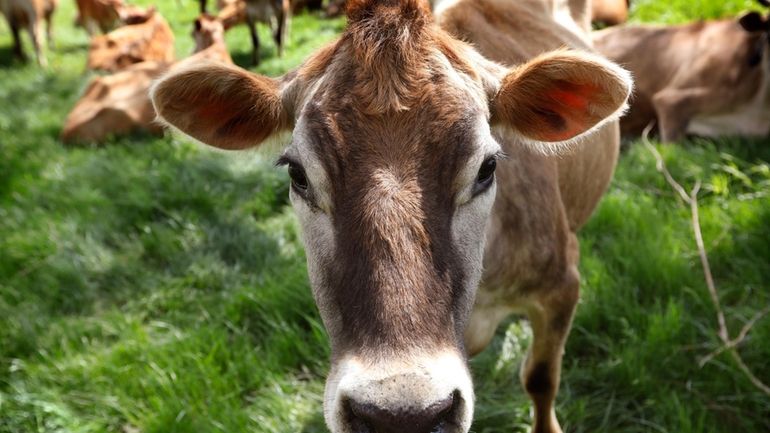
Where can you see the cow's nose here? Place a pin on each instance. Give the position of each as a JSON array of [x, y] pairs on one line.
[[435, 418]]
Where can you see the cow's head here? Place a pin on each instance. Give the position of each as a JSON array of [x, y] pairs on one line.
[[207, 30], [392, 164]]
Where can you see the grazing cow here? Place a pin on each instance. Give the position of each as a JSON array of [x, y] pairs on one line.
[[398, 177], [29, 14], [709, 78], [150, 39], [119, 104], [609, 12], [276, 14]]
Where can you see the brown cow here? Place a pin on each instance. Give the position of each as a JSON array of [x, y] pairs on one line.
[[609, 12], [274, 13], [398, 128], [232, 13], [103, 15], [30, 14], [706, 78], [119, 104], [150, 39]]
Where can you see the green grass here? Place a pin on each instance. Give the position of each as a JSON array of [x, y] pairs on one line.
[[151, 285]]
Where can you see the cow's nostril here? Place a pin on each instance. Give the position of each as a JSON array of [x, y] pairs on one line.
[[370, 418]]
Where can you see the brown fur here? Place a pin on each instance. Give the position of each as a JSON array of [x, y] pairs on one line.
[[102, 15], [150, 40], [609, 12], [274, 13], [685, 72], [30, 15], [119, 103], [390, 110]]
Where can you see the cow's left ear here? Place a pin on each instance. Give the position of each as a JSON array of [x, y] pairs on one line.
[[753, 22], [560, 95]]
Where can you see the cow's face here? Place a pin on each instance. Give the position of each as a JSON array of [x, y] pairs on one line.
[[392, 164]]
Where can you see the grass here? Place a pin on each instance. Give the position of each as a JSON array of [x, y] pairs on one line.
[[153, 286]]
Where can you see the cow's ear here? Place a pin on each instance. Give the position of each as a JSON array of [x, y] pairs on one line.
[[560, 95], [752, 22], [220, 105]]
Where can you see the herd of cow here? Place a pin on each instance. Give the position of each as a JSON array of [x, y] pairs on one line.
[[705, 78]]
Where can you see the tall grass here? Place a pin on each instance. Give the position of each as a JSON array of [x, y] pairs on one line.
[[153, 286]]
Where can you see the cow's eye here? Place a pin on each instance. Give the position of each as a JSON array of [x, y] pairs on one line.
[[486, 174], [298, 178]]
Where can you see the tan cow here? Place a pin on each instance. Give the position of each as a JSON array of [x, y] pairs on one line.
[[609, 12], [106, 15], [30, 14], [276, 14], [119, 104], [232, 13], [150, 39], [398, 177], [708, 78]]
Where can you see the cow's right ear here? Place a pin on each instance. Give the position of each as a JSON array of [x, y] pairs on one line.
[[753, 22], [220, 105]]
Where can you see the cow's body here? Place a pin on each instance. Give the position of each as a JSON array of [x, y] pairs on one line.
[[119, 103], [609, 12], [397, 129], [150, 39], [30, 15], [705, 78]]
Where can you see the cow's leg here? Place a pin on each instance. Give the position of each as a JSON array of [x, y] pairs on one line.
[[254, 41], [280, 32], [550, 312], [49, 28], [18, 50], [38, 42], [203, 6], [675, 108], [485, 318]]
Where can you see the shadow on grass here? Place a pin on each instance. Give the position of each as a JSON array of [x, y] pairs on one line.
[[243, 58]]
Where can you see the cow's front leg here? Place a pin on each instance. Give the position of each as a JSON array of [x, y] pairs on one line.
[[38, 42], [675, 108], [18, 50], [550, 313], [254, 40]]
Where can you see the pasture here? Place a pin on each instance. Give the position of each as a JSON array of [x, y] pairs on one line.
[[151, 285]]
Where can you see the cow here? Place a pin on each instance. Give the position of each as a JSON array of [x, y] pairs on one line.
[[119, 103], [232, 13], [149, 39], [274, 13], [609, 12], [707, 78], [420, 166], [209, 36], [30, 14], [105, 15]]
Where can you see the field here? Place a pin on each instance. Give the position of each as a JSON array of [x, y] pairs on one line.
[[154, 286]]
